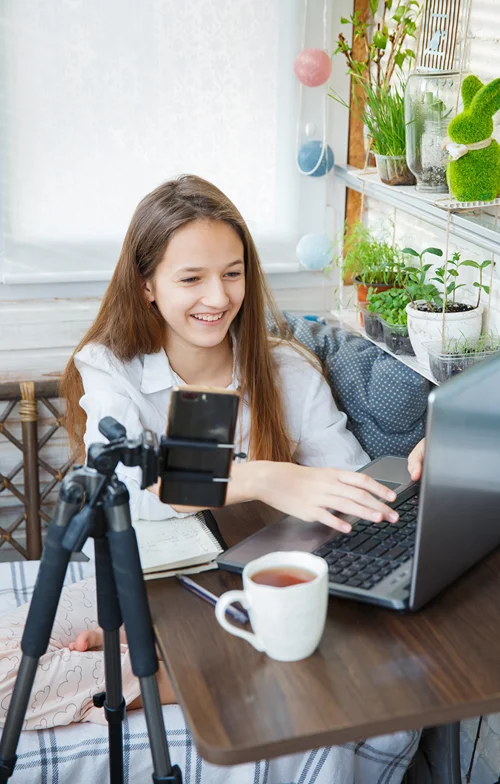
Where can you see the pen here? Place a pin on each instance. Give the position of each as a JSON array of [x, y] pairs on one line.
[[238, 615]]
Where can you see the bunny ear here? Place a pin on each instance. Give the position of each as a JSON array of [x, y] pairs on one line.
[[487, 100], [470, 86]]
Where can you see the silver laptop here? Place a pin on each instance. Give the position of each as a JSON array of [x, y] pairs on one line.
[[448, 521]]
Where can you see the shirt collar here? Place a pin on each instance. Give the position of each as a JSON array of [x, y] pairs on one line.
[[158, 375]]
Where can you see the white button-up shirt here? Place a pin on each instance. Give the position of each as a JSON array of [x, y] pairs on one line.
[[137, 394]]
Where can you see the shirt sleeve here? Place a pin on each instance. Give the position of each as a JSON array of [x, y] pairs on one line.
[[104, 397], [325, 440]]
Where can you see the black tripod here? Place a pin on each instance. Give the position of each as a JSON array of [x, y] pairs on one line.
[[93, 502]]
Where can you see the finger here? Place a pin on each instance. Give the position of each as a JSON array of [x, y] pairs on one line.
[[366, 482], [329, 519], [353, 506], [415, 461], [370, 504], [415, 470]]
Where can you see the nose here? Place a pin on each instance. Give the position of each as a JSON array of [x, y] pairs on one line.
[[216, 296]]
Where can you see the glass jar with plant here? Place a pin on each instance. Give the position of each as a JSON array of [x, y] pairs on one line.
[[435, 314], [459, 354], [431, 101], [390, 308], [377, 80]]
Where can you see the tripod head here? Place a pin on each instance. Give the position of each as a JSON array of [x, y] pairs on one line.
[[91, 483], [142, 452], [96, 483]]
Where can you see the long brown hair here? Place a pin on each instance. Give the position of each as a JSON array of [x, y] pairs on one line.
[[129, 327]]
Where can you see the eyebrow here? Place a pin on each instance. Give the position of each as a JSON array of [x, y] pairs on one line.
[[200, 269]]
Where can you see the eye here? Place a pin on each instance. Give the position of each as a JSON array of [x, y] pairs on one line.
[[233, 275], [189, 280]]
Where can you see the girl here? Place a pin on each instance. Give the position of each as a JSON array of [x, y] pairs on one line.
[[187, 304]]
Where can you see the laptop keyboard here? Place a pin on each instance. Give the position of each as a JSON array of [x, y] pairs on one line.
[[372, 551]]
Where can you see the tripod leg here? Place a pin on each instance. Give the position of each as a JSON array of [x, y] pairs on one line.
[[135, 610], [39, 624], [110, 619]]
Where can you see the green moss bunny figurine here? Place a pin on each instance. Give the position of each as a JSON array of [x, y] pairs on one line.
[[474, 168]]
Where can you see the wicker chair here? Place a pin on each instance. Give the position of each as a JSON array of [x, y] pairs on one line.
[[29, 402]]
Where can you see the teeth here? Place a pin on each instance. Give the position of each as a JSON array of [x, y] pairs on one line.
[[209, 318]]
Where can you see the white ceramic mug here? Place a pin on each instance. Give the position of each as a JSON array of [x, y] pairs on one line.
[[287, 622]]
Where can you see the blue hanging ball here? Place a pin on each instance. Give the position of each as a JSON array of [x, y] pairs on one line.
[[310, 154], [315, 251]]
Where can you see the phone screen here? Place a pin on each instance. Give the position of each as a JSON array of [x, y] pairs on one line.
[[201, 414]]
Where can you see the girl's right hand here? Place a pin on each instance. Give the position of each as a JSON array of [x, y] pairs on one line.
[[309, 493], [415, 460]]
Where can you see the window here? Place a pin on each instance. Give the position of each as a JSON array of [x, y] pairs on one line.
[[103, 101]]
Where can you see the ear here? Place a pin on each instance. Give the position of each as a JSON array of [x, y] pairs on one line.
[[148, 291], [487, 101], [470, 86]]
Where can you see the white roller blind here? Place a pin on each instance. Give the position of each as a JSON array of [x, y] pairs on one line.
[[102, 101]]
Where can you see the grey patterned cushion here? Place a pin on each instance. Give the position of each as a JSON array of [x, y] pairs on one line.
[[385, 401]]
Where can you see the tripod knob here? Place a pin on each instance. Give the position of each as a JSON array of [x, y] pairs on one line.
[[111, 429], [79, 530]]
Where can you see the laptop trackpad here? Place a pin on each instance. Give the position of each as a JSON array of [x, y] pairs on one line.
[[288, 534]]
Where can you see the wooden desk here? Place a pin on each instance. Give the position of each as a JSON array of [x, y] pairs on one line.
[[376, 671]]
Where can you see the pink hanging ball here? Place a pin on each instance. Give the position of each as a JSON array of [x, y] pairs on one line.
[[312, 67]]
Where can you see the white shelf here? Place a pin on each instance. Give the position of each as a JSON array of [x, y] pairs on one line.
[[476, 226], [349, 320]]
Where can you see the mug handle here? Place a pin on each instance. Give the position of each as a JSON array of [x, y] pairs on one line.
[[220, 613]]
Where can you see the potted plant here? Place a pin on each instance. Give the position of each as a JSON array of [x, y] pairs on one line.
[[377, 84], [371, 263], [370, 320], [390, 309], [435, 314], [459, 354], [384, 118]]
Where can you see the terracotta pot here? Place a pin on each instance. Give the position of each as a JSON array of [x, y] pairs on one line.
[[362, 292]]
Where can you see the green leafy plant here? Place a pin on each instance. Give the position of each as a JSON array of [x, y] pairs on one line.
[[446, 275], [376, 74], [390, 305], [414, 280], [446, 272], [479, 284], [383, 113], [384, 45], [371, 260], [420, 256], [486, 343]]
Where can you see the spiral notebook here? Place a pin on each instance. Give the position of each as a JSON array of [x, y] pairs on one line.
[[179, 545]]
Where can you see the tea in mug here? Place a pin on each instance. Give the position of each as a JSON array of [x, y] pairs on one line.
[[283, 576]]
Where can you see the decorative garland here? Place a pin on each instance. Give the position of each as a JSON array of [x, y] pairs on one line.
[[314, 158]]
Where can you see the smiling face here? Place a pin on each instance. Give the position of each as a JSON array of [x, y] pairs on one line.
[[199, 285]]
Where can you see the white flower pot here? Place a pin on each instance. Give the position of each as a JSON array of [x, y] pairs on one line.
[[424, 327]]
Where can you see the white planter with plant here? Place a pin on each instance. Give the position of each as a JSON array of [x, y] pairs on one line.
[[435, 315], [425, 326]]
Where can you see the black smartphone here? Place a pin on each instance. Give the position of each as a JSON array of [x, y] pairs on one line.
[[205, 414]]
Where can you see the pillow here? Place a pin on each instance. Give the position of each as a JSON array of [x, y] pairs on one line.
[[385, 401]]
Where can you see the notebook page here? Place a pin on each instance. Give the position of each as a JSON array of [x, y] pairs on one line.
[[170, 544]]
